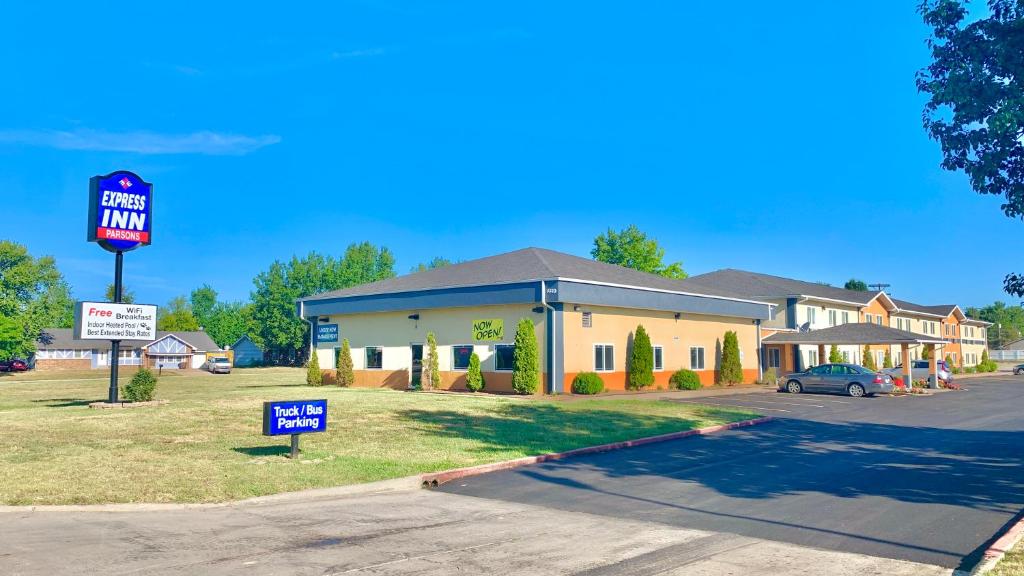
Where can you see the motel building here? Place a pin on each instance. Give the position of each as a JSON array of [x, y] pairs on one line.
[[584, 314], [58, 349], [802, 311]]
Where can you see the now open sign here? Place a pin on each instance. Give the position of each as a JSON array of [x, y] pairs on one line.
[[294, 417]]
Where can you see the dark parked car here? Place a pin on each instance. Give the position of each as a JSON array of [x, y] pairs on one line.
[[849, 379], [13, 365], [1018, 369]]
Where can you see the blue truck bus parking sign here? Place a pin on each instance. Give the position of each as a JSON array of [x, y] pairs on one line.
[[294, 417]]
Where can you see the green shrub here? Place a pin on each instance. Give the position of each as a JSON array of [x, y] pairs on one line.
[[313, 375], [526, 368], [834, 355], [869, 358], [887, 361], [474, 379], [731, 371], [684, 379], [771, 376], [641, 361], [970, 370], [431, 376], [343, 363], [587, 383], [141, 387]]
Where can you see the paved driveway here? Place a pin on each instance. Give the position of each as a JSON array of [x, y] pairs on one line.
[[925, 479]]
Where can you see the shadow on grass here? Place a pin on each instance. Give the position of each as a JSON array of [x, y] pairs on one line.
[[534, 428], [65, 402], [256, 451]]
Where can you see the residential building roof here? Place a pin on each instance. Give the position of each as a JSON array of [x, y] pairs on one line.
[[528, 265], [859, 333], [63, 339], [756, 286], [943, 310]]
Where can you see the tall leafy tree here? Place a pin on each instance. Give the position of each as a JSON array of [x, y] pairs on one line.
[[203, 301], [641, 360], [435, 262], [868, 358], [343, 364], [33, 296], [633, 249], [1007, 322], [127, 296], [854, 284], [431, 372], [975, 110], [834, 355], [177, 316]]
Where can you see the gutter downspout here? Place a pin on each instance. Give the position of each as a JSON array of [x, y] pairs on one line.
[[551, 337], [760, 352]]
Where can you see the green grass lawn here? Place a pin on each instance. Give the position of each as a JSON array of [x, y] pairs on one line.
[[1012, 564], [206, 446]]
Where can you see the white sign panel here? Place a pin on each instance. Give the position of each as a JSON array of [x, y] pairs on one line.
[[109, 321]]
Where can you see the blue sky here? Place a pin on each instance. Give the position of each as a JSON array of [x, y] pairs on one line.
[[779, 138]]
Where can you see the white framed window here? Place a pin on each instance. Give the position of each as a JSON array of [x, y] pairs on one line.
[[588, 319], [374, 358], [846, 356], [659, 358], [868, 318], [846, 317], [812, 357], [879, 359], [878, 319], [460, 356], [831, 317], [504, 357], [696, 357], [604, 358], [774, 358], [810, 314]]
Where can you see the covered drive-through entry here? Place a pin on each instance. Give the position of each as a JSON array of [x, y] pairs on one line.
[[860, 334]]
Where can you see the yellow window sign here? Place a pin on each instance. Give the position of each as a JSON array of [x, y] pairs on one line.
[[485, 330]]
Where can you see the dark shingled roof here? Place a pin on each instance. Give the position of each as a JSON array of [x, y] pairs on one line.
[[63, 339], [755, 286], [938, 310], [859, 333], [526, 265]]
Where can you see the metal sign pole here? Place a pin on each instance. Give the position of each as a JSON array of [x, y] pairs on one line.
[[115, 345], [295, 446]]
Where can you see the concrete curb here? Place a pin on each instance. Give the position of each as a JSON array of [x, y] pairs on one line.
[[434, 479], [407, 483], [994, 553]]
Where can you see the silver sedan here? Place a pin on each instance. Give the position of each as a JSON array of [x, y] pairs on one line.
[[849, 379]]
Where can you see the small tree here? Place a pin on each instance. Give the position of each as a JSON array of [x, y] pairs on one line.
[[887, 361], [526, 369], [834, 356], [926, 352], [474, 379], [732, 369], [641, 360], [343, 362], [431, 375], [869, 358], [313, 375], [949, 361], [141, 386]]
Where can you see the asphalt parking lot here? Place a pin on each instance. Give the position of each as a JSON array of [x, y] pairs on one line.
[[926, 479]]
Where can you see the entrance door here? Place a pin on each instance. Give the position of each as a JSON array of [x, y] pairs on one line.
[[417, 364]]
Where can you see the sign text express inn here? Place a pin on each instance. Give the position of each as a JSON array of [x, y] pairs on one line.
[[120, 211]]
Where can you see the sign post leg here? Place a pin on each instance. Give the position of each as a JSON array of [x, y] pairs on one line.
[[295, 447], [115, 345]]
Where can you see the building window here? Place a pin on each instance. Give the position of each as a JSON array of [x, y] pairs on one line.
[[374, 357], [846, 357], [504, 357], [846, 317], [460, 356], [604, 357], [878, 319], [696, 358], [810, 315], [831, 317], [659, 358], [868, 318], [774, 358], [588, 319], [812, 357]]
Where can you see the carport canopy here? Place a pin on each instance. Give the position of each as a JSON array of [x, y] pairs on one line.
[[864, 334], [857, 333]]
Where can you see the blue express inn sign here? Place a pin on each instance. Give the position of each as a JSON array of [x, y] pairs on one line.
[[120, 211]]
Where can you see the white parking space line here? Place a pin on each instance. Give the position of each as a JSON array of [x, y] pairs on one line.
[[778, 402], [732, 406]]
